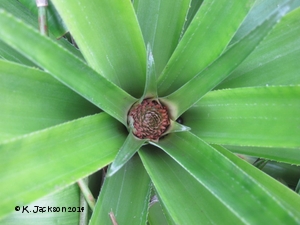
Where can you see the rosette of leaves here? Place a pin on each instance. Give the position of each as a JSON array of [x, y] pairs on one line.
[[224, 76]]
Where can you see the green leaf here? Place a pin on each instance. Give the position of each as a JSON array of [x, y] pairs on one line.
[[260, 11], [156, 215], [62, 201], [157, 212], [125, 195], [150, 90], [54, 21], [194, 7], [286, 197], [229, 178], [286, 155], [9, 54], [18, 10], [193, 91], [49, 160], [6, 52], [206, 38], [161, 22], [23, 112], [109, 37], [285, 173], [184, 198], [176, 127], [131, 145], [73, 72], [275, 61], [262, 116]]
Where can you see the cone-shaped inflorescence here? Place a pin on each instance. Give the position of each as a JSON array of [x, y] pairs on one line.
[[149, 119]]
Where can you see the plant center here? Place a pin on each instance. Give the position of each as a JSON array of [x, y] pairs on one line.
[[149, 119]]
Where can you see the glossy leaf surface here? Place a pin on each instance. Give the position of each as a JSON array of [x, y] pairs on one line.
[[229, 180], [125, 195], [192, 91], [263, 116], [128, 149], [286, 155], [23, 112], [275, 61], [288, 199], [285, 173], [9, 54], [194, 7], [119, 54], [150, 90], [206, 38], [259, 12], [161, 22], [171, 181], [74, 72], [6, 52], [15, 8], [55, 157], [199, 183]]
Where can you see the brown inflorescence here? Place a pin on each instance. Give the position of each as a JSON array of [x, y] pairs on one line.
[[149, 119]]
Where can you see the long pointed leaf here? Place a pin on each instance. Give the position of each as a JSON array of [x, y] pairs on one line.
[[229, 181], [6, 52], [184, 198], [194, 7], [73, 72], [285, 173], [128, 149], [205, 39], [9, 54], [47, 161], [161, 22], [150, 90], [275, 61], [260, 11], [194, 90], [125, 196], [112, 42], [286, 155], [18, 10], [263, 116], [23, 112], [285, 196]]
